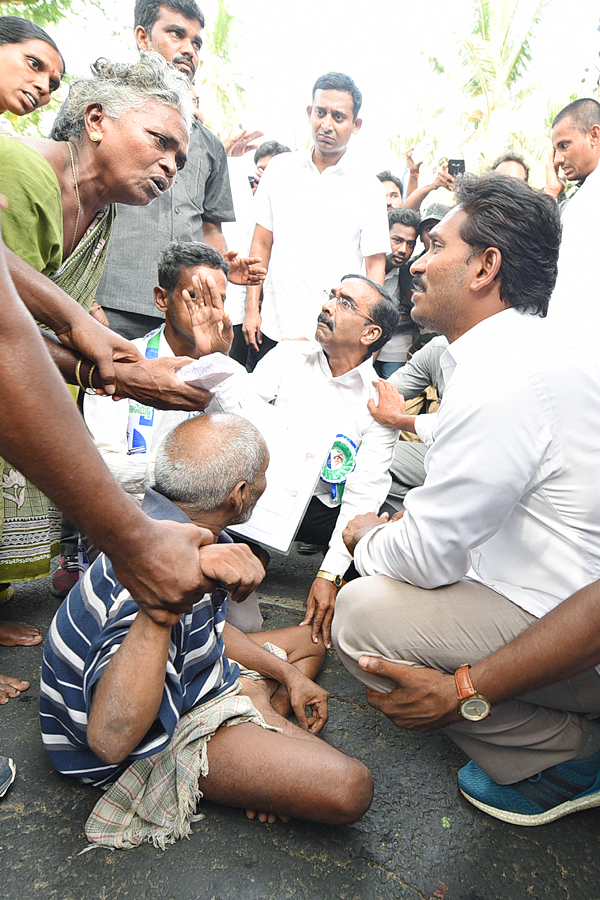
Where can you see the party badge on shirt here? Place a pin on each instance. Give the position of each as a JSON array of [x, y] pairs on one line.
[[340, 462]]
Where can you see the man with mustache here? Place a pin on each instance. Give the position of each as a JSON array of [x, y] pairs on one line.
[[319, 214], [505, 528], [576, 150], [325, 382], [195, 206]]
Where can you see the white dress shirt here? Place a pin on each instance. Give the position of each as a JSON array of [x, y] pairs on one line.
[[574, 307], [107, 421], [295, 376], [512, 493], [324, 224]]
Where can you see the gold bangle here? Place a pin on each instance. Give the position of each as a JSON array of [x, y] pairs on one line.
[[78, 374], [92, 389]]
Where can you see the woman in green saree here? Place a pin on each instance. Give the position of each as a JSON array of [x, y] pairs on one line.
[[120, 137]]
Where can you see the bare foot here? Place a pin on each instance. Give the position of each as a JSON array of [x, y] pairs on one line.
[[11, 687], [13, 634], [269, 818]]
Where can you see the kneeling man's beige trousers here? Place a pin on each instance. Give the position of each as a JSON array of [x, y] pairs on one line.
[[463, 623]]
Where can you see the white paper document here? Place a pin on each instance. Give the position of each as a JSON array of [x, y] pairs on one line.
[[209, 371]]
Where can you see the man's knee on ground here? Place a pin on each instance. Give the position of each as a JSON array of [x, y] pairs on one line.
[[351, 793]]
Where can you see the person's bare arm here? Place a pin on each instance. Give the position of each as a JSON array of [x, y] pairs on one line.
[[262, 244], [75, 328], [565, 642], [154, 382], [71, 472], [126, 703], [301, 690], [441, 180], [128, 694], [375, 266]]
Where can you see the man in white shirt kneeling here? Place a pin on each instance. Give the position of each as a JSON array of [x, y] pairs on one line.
[[505, 528]]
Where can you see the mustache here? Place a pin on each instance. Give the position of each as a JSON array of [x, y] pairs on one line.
[[419, 284], [186, 62], [325, 320]]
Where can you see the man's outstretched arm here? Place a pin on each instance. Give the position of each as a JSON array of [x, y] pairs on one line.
[[563, 643], [262, 244], [44, 436]]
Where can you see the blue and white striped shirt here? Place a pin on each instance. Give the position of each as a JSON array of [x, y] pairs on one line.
[[88, 629]]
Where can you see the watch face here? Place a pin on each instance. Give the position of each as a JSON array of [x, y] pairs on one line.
[[475, 708]]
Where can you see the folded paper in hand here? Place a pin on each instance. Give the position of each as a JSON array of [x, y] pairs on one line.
[[208, 371]]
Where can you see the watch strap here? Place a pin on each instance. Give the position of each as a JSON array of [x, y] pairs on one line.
[[335, 579], [464, 685]]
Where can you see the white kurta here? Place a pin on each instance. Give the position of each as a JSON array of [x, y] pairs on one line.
[[512, 494], [323, 225]]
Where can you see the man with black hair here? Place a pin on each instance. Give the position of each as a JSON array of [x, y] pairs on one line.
[[263, 156], [512, 165], [404, 225], [194, 208], [506, 525], [126, 433], [393, 189], [576, 143], [318, 215]]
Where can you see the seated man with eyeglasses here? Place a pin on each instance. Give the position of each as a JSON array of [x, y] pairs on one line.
[[329, 379]]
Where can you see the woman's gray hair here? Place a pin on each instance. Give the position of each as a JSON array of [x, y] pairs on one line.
[[202, 459], [120, 87]]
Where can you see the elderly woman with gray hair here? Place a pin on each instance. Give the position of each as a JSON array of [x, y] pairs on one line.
[[120, 137]]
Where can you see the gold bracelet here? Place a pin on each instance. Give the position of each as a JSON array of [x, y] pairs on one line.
[[78, 374], [92, 389]]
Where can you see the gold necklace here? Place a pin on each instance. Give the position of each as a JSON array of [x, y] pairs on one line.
[[78, 198]]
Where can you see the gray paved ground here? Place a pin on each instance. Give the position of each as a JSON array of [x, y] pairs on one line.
[[418, 841]]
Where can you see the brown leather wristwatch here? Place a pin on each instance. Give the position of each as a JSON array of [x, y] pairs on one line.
[[472, 706]]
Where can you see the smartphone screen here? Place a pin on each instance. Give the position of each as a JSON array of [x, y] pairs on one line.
[[456, 167]]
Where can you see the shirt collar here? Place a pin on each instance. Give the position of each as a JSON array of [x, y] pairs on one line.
[[362, 374], [343, 165], [492, 330], [158, 507]]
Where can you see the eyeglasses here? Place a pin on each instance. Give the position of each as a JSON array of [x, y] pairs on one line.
[[347, 304]]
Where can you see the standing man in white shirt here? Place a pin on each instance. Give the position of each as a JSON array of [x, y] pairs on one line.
[[319, 215], [576, 144], [507, 524]]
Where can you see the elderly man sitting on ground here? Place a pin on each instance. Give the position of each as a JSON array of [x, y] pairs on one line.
[[119, 693]]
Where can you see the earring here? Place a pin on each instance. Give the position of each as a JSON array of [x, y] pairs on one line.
[[94, 136]]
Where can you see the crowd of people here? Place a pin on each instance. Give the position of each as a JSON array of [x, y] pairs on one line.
[[449, 348]]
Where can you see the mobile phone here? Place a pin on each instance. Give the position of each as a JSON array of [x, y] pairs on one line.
[[253, 181], [456, 167]]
